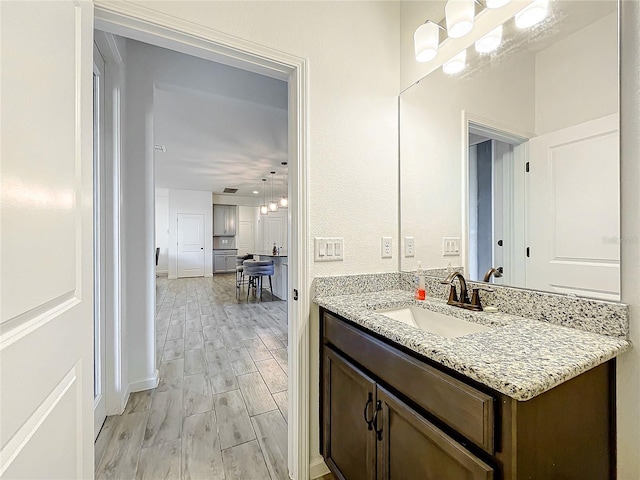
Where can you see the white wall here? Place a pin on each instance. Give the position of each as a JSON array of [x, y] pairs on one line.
[[162, 230], [138, 229], [582, 70], [190, 201]]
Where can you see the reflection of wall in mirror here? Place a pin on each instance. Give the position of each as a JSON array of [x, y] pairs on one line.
[[570, 82]]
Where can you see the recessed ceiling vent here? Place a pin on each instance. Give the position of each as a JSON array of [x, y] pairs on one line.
[[230, 190]]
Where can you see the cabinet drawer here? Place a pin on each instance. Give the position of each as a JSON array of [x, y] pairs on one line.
[[465, 409]]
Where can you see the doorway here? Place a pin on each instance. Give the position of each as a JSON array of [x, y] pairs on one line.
[[219, 47]]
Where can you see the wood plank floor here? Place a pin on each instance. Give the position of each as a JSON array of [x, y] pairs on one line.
[[220, 409]]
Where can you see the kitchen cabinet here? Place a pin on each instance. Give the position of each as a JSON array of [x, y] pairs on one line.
[[388, 413], [224, 220], [224, 261]]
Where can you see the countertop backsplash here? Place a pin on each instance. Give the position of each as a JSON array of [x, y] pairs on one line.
[[590, 315]]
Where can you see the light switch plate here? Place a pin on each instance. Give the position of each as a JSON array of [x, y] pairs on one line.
[[328, 249], [386, 247], [409, 246], [450, 246]]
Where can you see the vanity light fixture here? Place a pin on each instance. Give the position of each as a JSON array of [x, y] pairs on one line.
[[533, 14], [459, 15], [490, 42], [456, 64], [273, 205], [496, 3], [426, 40], [283, 200], [264, 208]]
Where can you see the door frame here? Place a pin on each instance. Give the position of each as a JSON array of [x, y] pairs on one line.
[[99, 243], [510, 132], [146, 25]]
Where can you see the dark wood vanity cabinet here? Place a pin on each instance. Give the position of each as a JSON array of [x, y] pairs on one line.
[[387, 414]]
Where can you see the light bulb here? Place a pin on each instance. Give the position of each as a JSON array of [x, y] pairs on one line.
[[533, 14], [264, 209], [459, 15], [490, 41], [456, 64], [425, 40]]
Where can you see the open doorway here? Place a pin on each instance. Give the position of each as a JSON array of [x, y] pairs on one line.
[[293, 71], [495, 203]]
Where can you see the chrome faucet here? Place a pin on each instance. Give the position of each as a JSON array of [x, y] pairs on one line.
[[496, 272], [463, 302]]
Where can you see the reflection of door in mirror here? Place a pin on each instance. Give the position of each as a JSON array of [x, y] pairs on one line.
[[495, 206], [573, 215]]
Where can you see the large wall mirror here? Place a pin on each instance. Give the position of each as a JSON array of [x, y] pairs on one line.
[[513, 163]]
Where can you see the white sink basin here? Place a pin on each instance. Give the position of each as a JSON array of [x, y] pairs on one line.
[[433, 322]]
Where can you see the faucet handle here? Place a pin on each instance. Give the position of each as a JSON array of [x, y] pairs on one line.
[[476, 304], [453, 294]]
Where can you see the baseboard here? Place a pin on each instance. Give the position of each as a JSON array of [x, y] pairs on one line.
[[162, 272], [209, 275], [146, 384], [317, 468], [172, 277]]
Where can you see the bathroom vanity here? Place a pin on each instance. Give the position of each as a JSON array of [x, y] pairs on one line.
[[523, 400]]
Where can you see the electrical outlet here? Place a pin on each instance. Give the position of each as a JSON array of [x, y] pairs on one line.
[[409, 246], [386, 247]]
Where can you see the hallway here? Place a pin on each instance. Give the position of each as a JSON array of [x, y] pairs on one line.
[[220, 408]]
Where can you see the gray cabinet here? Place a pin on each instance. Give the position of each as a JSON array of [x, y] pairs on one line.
[[224, 220], [224, 261]]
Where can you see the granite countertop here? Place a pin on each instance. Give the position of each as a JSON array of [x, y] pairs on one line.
[[283, 254], [519, 357]]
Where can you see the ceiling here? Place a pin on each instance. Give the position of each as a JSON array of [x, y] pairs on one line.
[[213, 142], [214, 126]]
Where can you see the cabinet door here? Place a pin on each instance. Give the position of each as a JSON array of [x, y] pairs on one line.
[[231, 263], [410, 447], [219, 220], [231, 219], [219, 264], [349, 439]]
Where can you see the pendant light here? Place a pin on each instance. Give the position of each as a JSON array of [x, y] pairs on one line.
[[533, 14], [273, 205], [459, 15], [264, 209], [425, 41], [283, 201], [456, 64], [490, 42]]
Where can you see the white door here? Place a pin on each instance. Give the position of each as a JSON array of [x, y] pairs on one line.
[[245, 237], [573, 223], [190, 245], [275, 230], [46, 274], [99, 240]]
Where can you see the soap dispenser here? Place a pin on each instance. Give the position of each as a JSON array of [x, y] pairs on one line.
[[421, 293]]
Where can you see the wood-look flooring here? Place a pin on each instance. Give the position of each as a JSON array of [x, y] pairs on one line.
[[220, 409]]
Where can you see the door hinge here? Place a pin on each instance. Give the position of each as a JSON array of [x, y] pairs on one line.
[[295, 294], [528, 252], [526, 167]]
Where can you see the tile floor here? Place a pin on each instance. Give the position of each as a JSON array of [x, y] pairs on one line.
[[220, 409]]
